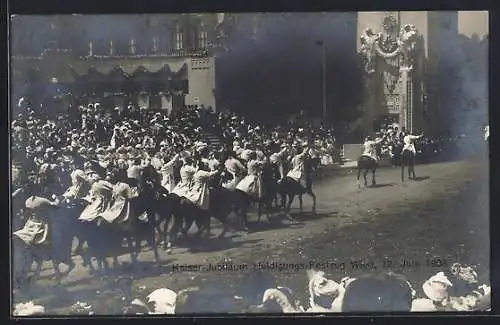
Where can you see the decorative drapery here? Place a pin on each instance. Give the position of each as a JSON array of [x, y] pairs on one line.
[[140, 80]]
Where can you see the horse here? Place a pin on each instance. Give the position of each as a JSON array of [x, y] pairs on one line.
[[366, 164], [408, 159], [222, 202], [51, 244], [140, 226], [289, 187]]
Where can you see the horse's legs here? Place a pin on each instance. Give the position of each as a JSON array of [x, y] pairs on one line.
[[132, 252], [174, 230], [207, 224], [301, 204], [164, 231], [55, 266], [359, 174], [153, 241], [374, 169], [313, 196], [39, 261], [402, 170], [413, 167], [283, 201], [365, 173], [225, 227], [259, 210], [289, 205]]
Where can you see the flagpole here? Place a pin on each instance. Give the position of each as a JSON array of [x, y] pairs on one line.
[[323, 46]]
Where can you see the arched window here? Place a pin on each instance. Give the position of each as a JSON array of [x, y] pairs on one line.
[[203, 36], [179, 37]]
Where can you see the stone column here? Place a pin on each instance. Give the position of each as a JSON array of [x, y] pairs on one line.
[[406, 116]]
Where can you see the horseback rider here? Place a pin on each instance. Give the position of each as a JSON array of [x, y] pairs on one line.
[[187, 171], [167, 173], [370, 147], [252, 183], [298, 172], [276, 159], [79, 188], [134, 173], [123, 193], [409, 143], [236, 169], [199, 194], [100, 199]]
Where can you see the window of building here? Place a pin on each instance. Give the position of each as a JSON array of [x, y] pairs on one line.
[[203, 36], [179, 37]]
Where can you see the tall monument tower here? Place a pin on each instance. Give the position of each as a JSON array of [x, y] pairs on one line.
[[401, 50]]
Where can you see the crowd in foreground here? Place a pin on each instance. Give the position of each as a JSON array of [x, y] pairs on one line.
[[454, 289]]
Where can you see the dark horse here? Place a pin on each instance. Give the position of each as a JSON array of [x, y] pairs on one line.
[[53, 245], [367, 164], [140, 226], [289, 187], [408, 159], [222, 202]]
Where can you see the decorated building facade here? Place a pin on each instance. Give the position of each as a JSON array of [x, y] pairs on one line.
[[162, 61], [402, 53]]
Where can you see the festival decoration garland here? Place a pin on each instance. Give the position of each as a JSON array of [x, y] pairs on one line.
[[385, 55]]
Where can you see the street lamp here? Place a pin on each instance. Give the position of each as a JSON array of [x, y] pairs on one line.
[[323, 76]]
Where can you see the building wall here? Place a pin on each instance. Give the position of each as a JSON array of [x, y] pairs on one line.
[[201, 82]]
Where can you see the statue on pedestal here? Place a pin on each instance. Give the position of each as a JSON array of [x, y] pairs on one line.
[[407, 43], [368, 39]]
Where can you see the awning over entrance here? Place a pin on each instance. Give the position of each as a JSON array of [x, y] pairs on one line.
[[118, 79]]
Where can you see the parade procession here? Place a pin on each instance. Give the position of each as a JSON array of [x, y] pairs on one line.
[[133, 176]]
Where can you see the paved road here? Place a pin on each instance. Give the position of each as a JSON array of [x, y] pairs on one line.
[[439, 219]]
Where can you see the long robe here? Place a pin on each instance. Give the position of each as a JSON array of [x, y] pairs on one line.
[[186, 182], [167, 174], [200, 192], [235, 168], [297, 171], [252, 183], [120, 210], [38, 228], [102, 192]]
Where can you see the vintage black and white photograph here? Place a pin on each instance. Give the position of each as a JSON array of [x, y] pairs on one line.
[[201, 163]]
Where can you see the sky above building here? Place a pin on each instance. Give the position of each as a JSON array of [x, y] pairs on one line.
[[473, 22]]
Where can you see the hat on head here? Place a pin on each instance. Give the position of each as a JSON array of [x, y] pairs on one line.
[[437, 287]]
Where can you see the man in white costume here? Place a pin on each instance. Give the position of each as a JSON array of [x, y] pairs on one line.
[[409, 143], [199, 194], [370, 148], [187, 172], [298, 172], [167, 173], [235, 168], [252, 183]]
